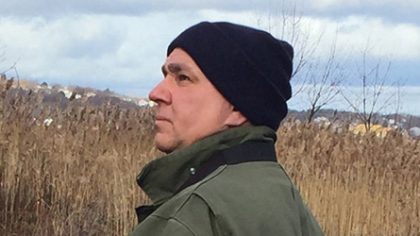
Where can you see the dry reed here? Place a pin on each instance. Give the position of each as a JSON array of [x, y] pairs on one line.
[[76, 176]]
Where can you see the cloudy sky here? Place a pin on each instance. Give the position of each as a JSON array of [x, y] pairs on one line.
[[121, 44]]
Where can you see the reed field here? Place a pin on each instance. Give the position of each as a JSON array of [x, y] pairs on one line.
[[76, 173]]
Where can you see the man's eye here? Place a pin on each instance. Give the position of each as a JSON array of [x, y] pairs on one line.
[[183, 77]]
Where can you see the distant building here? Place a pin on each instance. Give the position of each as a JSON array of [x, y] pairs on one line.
[[143, 103], [414, 132], [378, 130]]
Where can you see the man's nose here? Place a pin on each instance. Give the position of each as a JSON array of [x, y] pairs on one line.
[[160, 93]]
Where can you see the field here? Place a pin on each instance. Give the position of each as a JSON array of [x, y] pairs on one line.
[[75, 174]]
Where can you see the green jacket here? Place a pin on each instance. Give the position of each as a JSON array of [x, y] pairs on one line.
[[226, 184]]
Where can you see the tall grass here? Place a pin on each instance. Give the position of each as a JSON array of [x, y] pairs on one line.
[[356, 185], [76, 176]]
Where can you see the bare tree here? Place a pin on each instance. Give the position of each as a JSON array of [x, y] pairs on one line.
[[14, 69], [372, 99], [285, 22], [314, 77], [324, 81]]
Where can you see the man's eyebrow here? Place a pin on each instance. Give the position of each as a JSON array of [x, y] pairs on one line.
[[173, 68]]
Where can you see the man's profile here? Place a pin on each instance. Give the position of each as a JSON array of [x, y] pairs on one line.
[[221, 100]]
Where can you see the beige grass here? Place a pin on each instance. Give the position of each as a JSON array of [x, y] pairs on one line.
[[77, 176]]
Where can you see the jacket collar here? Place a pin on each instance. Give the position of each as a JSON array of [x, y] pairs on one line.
[[163, 177]]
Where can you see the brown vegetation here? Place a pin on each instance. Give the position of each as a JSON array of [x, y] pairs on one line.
[[76, 175], [356, 185]]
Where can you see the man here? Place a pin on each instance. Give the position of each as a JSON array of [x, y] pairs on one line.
[[222, 98]]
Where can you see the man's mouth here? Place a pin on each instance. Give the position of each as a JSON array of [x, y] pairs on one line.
[[162, 118]]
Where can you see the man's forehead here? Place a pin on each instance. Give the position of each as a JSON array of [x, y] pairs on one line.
[[180, 57]]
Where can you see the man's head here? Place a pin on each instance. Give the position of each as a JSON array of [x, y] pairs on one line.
[[220, 75]]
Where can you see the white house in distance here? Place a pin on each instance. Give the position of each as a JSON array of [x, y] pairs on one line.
[[414, 132], [144, 102]]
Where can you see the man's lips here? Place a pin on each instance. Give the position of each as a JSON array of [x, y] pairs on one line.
[[162, 118]]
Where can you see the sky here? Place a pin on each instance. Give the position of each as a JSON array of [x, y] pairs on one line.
[[121, 45]]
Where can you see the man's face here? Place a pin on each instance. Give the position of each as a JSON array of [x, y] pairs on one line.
[[189, 106]]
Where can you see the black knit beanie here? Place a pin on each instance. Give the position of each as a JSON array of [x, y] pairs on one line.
[[249, 67]]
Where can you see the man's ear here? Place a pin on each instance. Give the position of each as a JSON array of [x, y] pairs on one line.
[[235, 119]]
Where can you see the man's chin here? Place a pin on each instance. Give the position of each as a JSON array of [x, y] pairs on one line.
[[164, 149], [164, 145]]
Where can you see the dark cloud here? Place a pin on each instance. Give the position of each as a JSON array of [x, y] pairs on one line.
[[48, 9], [393, 10], [124, 7]]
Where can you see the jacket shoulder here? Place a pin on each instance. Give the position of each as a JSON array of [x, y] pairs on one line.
[[246, 196]]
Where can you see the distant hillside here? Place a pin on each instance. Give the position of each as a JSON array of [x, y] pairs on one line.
[[61, 95], [403, 121]]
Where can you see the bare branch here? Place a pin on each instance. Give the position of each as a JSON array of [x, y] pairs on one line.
[[373, 79]]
